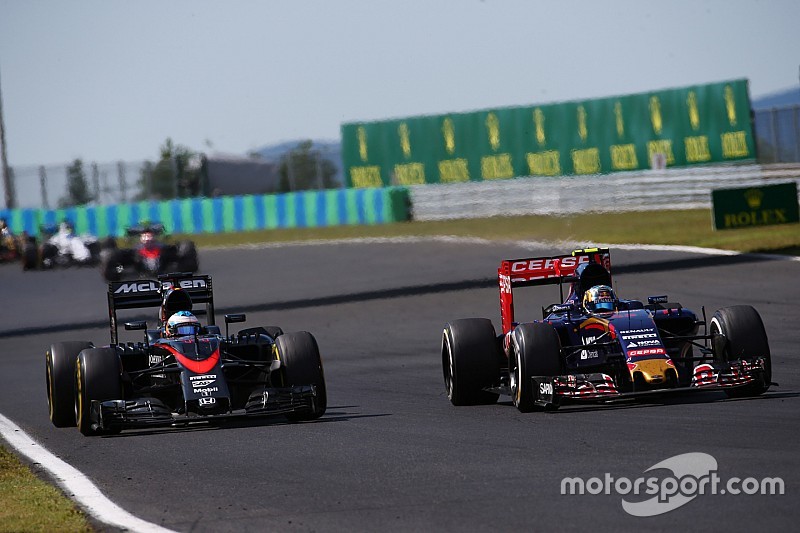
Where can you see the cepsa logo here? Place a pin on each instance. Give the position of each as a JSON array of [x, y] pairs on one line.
[[647, 351], [548, 264], [152, 286]]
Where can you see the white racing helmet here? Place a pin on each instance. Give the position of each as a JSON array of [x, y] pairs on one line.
[[182, 323]]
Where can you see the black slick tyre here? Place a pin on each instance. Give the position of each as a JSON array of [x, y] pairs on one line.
[[470, 361], [97, 377], [535, 351], [60, 372], [30, 256], [110, 264], [738, 333], [187, 257], [302, 365]]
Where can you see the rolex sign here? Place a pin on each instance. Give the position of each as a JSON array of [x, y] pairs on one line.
[[755, 206]]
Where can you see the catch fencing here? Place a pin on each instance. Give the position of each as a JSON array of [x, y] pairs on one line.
[[778, 134]]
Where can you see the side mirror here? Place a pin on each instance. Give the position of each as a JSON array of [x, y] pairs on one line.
[[233, 318], [137, 325], [238, 317]]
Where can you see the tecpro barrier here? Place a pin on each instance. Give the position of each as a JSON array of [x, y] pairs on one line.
[[306, 209]]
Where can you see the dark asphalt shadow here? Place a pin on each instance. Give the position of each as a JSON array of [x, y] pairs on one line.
[[668, 400], [214, 425], [414, 290]]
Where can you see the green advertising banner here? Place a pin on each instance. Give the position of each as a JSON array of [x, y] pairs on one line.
[[755, 206], [685, 126]]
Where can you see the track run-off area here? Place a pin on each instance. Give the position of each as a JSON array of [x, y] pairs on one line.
[[392, 453]]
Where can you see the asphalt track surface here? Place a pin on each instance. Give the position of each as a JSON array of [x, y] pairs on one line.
[[392, 454]]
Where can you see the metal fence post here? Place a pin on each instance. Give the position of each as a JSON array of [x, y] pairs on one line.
[[43, 186], [774, 136], [123, 186], [796, 116]]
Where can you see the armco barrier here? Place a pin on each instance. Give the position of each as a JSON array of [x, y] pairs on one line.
[[306, 209], [674, 188]]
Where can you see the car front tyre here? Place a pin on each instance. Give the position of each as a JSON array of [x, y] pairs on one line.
[[536, 351], [738, 334], [98, 374], [59, 370], [302, 365], [470, 361]]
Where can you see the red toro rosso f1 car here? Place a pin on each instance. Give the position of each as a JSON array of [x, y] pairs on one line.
[[182, 372], [595, 346]]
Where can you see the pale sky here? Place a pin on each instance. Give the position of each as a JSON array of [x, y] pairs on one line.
[[110, 80]]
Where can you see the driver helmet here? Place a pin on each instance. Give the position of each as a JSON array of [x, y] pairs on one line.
[[147, 239], [600, 299], [66, 227], [182, 323]]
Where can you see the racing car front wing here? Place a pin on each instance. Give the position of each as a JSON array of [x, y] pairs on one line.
[[548, 390], [151, 412]]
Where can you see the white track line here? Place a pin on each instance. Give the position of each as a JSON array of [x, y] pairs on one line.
[[74, 483], [481, 240]]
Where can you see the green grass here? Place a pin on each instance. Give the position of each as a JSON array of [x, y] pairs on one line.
[[29, 504], [690, 228]]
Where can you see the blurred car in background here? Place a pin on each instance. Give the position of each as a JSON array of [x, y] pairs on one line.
[[147, 253], [9, 243], [58, 246]]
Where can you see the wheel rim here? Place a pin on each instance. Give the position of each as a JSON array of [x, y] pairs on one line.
[[50, 384], [515, 378], [448, 380], [78, 395]]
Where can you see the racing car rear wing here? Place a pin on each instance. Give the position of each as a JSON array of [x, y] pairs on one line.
[[149, 293], [550, 270]]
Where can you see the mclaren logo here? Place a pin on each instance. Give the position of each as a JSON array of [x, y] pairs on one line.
[[146, 286], [152, 286]]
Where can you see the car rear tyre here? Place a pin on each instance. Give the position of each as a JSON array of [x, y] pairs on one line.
[[49, 255], [30, 256], [60, 371], [109, 243], [97, 377], [470, 361], [738, 333], [187, 257], [110, 265], [302, 365], [535, 351]]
